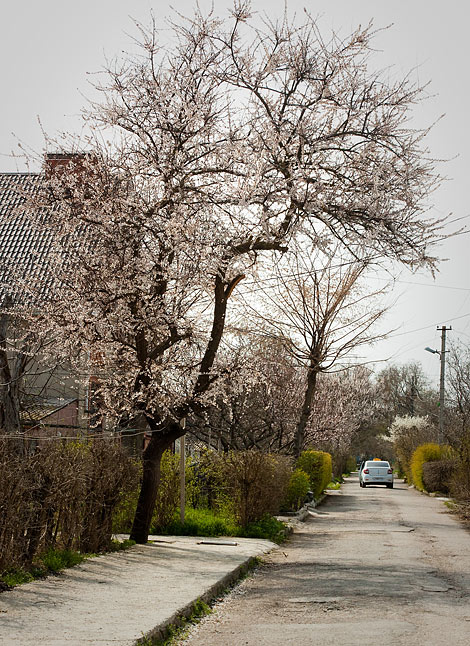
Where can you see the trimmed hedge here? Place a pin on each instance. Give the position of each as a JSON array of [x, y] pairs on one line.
[[61, 498], [297, 489], [256, 484], [425, 453], [317, 465], [438, 474]]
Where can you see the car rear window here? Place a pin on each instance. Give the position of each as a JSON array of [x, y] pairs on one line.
[[376, 463]]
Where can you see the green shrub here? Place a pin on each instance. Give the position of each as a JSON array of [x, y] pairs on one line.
[[168, 496], [317, 465], [233, 490], [408, 433], [425, 453], [210, 489], [350, 465], [124, 513], [297, 489]]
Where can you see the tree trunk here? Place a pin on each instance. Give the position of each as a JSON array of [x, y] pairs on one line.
[[162, 439], [10, 422], [159, 442], [306, 410]]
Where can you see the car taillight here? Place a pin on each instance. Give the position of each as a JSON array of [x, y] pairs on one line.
[[390, 471], [365, 471]]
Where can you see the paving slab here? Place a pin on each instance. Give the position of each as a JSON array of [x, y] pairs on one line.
[[116, 599]]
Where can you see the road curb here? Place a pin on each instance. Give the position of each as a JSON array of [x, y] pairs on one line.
[[181, 616], [291, 519], [432, 494]]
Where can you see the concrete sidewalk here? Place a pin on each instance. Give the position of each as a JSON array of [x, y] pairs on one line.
[[115, 599]]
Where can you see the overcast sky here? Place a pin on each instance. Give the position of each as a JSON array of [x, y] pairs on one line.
[[49, 47]]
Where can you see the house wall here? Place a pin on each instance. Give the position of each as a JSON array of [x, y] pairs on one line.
[[61, 423]]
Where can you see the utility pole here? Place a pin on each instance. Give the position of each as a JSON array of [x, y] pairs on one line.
[[442, 356], [182, 473]]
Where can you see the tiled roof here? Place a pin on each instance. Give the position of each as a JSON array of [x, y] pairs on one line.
[[24, 249], [38, 409]]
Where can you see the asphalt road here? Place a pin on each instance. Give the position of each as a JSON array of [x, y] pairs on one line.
[[371, 566]]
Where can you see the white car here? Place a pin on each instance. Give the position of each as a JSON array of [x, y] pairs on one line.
[[376, 472]]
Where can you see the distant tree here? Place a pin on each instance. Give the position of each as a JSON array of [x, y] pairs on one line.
[[457, 426], [205, 155], [264, 394], [342, 402], [403, 391], [458, 393], [407, 433]]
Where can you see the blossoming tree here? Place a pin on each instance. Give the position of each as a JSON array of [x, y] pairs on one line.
[[206, 154]]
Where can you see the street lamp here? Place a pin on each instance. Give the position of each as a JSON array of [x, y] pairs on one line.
[[442, 355]]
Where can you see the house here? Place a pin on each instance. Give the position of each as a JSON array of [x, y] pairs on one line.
[[33, 395]]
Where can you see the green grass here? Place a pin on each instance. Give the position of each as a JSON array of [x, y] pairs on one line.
[[118, 546], [268, 527], [57, 560], [205, 522], [16, 577], [334, 485], [201, 522], [50, 562], [53, 561]]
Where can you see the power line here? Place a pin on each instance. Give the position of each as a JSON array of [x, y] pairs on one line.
[[409, 282], [426, 327]]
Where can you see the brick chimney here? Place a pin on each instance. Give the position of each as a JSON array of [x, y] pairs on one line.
[[57, 161]]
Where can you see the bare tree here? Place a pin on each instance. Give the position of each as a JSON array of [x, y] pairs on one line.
[[206, 154], [458, 415], [323, 314], [27, 378], [459, 383]]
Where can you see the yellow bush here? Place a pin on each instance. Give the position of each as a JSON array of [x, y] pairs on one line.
[[317, 465], [425, 453]]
